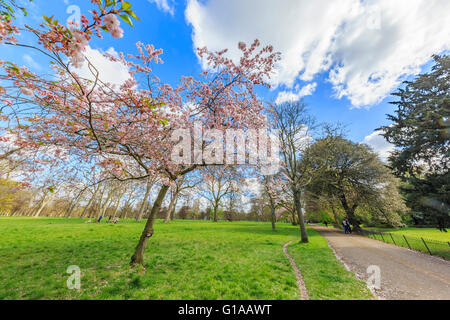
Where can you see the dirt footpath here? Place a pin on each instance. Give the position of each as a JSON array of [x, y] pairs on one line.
[[405, 274]]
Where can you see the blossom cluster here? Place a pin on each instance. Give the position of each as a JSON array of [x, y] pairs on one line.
[[113, 25], [80, 40], [77, 45], [7, 31]]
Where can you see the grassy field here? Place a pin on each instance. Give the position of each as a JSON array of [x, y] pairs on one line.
[[426, 240], [184, 260], [426, 233]]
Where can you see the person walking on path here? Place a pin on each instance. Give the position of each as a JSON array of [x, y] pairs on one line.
[[344, 224], [349, 227]]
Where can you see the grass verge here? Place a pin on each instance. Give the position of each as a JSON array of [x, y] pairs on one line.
[[325, 277], [427, 233]]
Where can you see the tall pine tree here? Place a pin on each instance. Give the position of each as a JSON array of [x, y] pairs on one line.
[[421, 133]]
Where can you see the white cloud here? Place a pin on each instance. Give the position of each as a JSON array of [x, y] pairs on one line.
[[31, 63], [366, 47], [165, 6], [109, 71], [286, 96], [379, 145]]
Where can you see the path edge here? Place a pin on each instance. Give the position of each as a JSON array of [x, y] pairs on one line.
[[347, 266], [304, 295]]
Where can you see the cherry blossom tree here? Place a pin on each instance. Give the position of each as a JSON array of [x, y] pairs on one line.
[[223, 98], [126, 129]]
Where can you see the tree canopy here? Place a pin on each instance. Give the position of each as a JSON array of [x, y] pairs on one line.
[[354, 175], [420, 130]]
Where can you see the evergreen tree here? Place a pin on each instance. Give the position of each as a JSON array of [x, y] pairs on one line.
[[421, 133]]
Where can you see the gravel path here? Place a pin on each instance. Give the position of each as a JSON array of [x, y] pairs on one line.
[[300, 283], [405, 274]]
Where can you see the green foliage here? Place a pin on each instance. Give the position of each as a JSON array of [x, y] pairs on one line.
[[320, 216], [8, 8], [109, 6], [352, 175], [8, 190], [185, 260], [421, 131]]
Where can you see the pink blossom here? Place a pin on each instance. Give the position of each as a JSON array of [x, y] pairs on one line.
[[117, 33], [2, 28], [165, 181], [78, 42], [77, 60], [77, 45], [111, 22]]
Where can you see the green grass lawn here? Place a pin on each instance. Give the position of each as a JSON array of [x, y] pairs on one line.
[[425, 240], [184, 260], [426, 233]]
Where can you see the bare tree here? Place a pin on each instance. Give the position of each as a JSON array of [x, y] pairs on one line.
[[294, 126], [92, 199], [150, 181], [184, 183], [128, 205], [218, 184]]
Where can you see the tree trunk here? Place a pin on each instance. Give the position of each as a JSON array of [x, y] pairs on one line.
[[129, 209], [105, 206], [215, 213], [293, 217], [335, 216], [353, 220], [272, 209], [172, 214], [125, 210], [44, 202], [89, 203], [126, 207], [144, 201], [73, 205], [116, 207], [138, 256], [350, 212], [169, 211], [301, 220], [93, 210]]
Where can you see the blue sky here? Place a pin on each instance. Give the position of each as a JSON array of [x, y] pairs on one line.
[[323, 46]]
